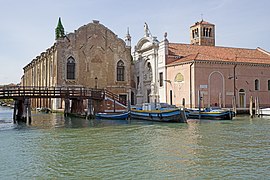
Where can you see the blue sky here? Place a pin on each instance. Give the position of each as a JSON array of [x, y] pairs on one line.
[[28, 27]]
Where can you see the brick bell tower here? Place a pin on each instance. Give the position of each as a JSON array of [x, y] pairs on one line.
[[202, 33]]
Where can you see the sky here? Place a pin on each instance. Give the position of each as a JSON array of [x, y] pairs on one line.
[[28, 26]]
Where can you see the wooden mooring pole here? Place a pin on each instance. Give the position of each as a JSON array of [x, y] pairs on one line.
[[234, 104], [67, 107], [90, 111], [250, 106], [15, 111], [257, 106]]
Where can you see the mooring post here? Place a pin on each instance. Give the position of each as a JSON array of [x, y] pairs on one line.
[[129, 109], [89, 109], [199, 94], [113, 104], [183, 115], [257, 107], [15, 111], [234, 105], [67, 106], [250, 106], [29, 115]]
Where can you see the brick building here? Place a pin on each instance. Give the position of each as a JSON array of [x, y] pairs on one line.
[[92, 56]]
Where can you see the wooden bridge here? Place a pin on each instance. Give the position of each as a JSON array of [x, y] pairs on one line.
[[23, 94]]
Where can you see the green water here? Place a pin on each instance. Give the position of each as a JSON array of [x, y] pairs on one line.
[[54, 147]]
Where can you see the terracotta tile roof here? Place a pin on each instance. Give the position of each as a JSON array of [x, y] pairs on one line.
[[202, 22], [187, 52]]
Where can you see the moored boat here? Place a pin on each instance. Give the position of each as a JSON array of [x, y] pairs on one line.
[[161, 115], [264, 111], [113, 116], [44, 110], [209, 113]]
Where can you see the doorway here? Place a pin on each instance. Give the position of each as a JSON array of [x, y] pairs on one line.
[[242, 98]]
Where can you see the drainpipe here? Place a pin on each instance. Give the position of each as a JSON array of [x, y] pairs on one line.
[[234, 84], [234, 78], [190, 85]]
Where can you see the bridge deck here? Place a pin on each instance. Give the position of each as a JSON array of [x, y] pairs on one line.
[[50, 92]]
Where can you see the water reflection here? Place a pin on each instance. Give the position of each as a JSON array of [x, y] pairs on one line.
[[55, 146]]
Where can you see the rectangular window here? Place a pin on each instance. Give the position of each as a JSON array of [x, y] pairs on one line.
[[268, 85], [138, 81], [161, 79]]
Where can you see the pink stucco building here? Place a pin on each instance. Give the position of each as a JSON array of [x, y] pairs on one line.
[[218, 73]]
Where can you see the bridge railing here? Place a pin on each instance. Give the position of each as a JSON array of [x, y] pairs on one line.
[[50, 92], [115, 97]]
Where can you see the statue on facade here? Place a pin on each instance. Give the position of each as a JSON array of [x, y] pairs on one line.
[[165, 36], [146, 30]]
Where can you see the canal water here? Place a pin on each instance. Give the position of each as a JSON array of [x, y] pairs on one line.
[[54, 147]]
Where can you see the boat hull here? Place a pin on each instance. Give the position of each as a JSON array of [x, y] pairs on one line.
[[222, 115], [265, 111], [159, 115], [121, 116]]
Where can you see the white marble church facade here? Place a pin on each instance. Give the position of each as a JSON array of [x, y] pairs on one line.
[[150, 71]]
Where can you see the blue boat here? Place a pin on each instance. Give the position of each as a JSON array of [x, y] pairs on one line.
[[161, 115], [210, 113], [113, 116]]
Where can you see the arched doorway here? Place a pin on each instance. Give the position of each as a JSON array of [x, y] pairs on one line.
[[216, 89], [242, 98]]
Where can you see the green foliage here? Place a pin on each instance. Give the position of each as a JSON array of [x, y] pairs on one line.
[[59, 30]]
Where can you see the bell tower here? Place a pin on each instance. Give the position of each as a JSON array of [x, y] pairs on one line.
[[202, 33]]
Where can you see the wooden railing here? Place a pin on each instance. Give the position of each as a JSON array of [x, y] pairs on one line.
[[115, 97], [16, 92], [50, 92]]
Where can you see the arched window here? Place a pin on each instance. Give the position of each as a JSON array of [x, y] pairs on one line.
[[257, 85], [204, 31], [120, 71], [71, 68], [197, 32], [149, 71]]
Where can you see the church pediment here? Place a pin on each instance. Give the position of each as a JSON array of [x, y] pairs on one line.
[[144, 44]]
